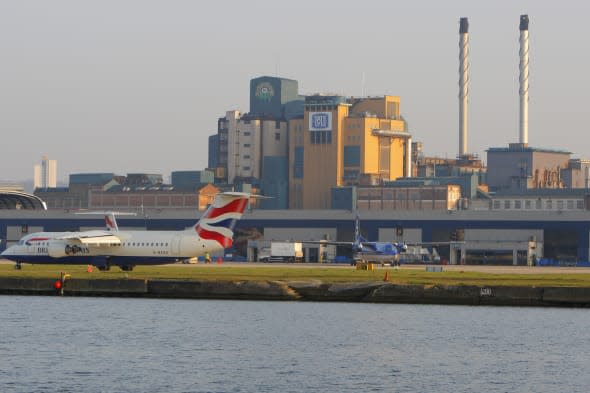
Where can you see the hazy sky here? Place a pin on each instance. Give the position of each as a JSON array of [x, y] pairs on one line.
[[137, 86]]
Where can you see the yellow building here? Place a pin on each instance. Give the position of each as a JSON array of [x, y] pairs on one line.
[[340, 140]]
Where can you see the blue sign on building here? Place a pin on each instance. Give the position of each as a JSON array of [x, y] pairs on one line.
[[320, 121]]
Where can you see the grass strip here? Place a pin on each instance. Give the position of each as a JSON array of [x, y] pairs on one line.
[[328, 274]]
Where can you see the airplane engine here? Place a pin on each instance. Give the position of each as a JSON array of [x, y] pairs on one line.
[[57, 249], [60, 249]]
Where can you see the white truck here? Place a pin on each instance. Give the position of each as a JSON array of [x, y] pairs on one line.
[[281, 252]]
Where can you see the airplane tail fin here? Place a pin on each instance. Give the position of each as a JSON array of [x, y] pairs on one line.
[[358, 238], [218, 221], [111, 221], [109, 218]]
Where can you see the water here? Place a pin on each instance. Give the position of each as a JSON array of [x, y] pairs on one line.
[[51, 344]]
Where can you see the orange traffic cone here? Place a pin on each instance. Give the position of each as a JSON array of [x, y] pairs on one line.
[[89, 269], [386, 278]]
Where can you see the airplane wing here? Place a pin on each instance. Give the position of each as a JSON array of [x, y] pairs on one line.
[[326, 242], [433, 244], [94, 238]]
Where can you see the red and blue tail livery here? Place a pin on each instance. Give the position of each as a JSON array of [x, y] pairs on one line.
[[126, 249], [219, 220]]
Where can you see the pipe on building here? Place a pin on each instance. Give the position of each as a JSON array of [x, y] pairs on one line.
[[523, 79], [400, 134], [409, 157], [397, 134], [463, 83]]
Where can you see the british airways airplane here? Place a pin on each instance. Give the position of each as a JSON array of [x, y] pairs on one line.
[[126, 249]]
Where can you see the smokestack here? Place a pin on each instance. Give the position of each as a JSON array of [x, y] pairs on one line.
[[523, 79], [409, 157], [463, 83]]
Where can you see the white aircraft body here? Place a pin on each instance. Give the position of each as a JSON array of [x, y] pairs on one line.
[[113, 247]]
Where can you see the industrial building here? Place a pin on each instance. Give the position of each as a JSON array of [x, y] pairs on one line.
[[136, 191], [252, 147], [520, 167], [147, 200], [577, 174], [191, 180], [419, 196], [338, 140]]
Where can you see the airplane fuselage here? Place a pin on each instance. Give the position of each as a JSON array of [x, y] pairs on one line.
[[378, 252], [135, 248]]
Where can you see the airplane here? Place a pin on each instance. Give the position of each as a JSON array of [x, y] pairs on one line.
[[113, 247], [367, 251]]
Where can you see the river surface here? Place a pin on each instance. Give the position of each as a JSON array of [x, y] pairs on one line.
[[52, 344]]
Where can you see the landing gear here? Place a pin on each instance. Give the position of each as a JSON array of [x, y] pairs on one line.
[[17, 266], [127, 268], [104, 268]]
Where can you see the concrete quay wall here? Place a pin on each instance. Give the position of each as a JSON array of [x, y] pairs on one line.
[[371, 292]]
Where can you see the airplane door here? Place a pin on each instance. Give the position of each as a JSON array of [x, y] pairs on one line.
[[175, 246]]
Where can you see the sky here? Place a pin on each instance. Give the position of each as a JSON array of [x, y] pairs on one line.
[[129, 86]]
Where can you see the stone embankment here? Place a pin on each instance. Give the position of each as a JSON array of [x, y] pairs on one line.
[[372, 292]]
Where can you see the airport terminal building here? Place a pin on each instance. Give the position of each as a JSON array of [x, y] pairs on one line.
[[489, 236]]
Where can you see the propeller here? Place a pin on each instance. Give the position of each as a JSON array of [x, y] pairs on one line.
[[357, 247]]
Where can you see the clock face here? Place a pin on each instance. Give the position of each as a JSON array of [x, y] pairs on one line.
[[264, 91]]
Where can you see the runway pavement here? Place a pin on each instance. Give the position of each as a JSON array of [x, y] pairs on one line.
[[466, 268]]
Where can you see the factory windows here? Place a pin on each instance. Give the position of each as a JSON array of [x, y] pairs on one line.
[[496, 204], [320, 137], [298, 163], [549, 205], [559, 205], [246, 145], [352, 156], [247, 133], [246, 157], [277, 124], [246, 168], [517, 204], [528, 204], [277, 136], [538, 204], [506, 204], [570, 204]]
